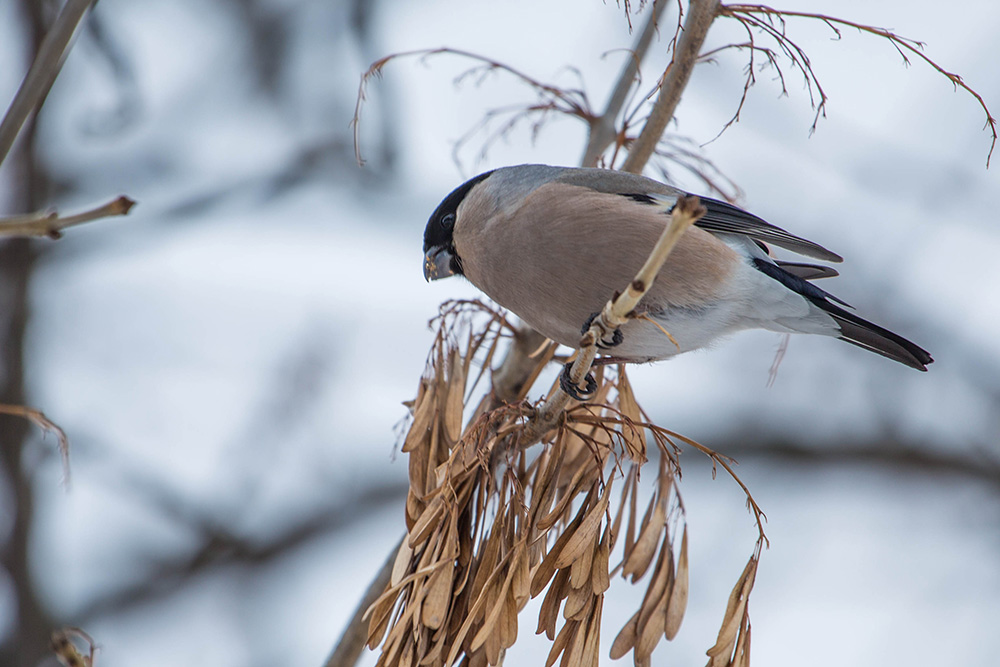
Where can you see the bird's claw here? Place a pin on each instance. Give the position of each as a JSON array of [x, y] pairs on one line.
[[567, 385], [603, 342]]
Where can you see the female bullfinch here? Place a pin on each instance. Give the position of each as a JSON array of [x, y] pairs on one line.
[[553, 244]]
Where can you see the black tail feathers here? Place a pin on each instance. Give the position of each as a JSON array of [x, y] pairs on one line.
[[853, 329]]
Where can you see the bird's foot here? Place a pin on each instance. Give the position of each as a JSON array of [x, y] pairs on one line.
[[567, 385], [607, 339]]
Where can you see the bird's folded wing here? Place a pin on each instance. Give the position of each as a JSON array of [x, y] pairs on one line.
[[723, 218]]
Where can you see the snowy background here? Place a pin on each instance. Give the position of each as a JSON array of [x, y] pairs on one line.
[[230, 358]]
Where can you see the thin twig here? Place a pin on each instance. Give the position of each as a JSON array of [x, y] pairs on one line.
[[569, 102], [904, 45], [50, 225], [66, 650], [42, 73], [701, 13], [37, 418]]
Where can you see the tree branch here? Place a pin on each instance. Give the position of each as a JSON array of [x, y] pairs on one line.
[[50, 225], [355, 636], [42, 73], [602, 128], [701, 13], [218, 547], [889, 454]]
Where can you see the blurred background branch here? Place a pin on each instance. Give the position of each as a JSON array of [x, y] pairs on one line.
[[51, 53], [50, 225]]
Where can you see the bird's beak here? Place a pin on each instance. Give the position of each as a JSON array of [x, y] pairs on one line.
[[437, 263]]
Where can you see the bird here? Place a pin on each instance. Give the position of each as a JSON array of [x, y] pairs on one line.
[[553, 244]]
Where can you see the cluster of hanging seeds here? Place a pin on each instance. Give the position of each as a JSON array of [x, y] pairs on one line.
[[491, 525]]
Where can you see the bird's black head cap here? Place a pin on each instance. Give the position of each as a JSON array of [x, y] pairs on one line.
[[441, 225]]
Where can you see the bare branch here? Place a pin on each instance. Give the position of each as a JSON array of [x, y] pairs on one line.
[[701, 13], [568, 102], [890, 454], [37, 418], [765, 18], [355, 637], [42, 73], [218, 547], [50, 225]]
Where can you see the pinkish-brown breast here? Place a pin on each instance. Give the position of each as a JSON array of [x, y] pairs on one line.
[[560, 255]]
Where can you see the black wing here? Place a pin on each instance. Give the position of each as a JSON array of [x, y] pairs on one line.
[[723, 218]]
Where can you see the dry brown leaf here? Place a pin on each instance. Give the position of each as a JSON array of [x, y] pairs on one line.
[[600, 577], [581, 569], [392, 648], [433, 656], [399, 631], [438, 596], [576, 484], [622, 503], [659, 585], [477, 660], [427, 522], [562, 640], [423, 409], [741, 656], [379, 621], [489, 556], [585, 535], [547, 568], [414, 508], [454, 402], [435, 453], [549, 612], [441, 473], [492, 648], [630, 531], [545, 483], [417, 468], [626, 638], [406, 659], [591, 649], [666, 479], [649, 633], [574, 650], [508, 621], [401, 564], [495, 603], [577, 603], [635, 447], [479, 527], [521, 587], [645, 546], [679, 593], [733, 618]]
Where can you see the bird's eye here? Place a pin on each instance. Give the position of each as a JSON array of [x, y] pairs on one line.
[[448, 220]]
